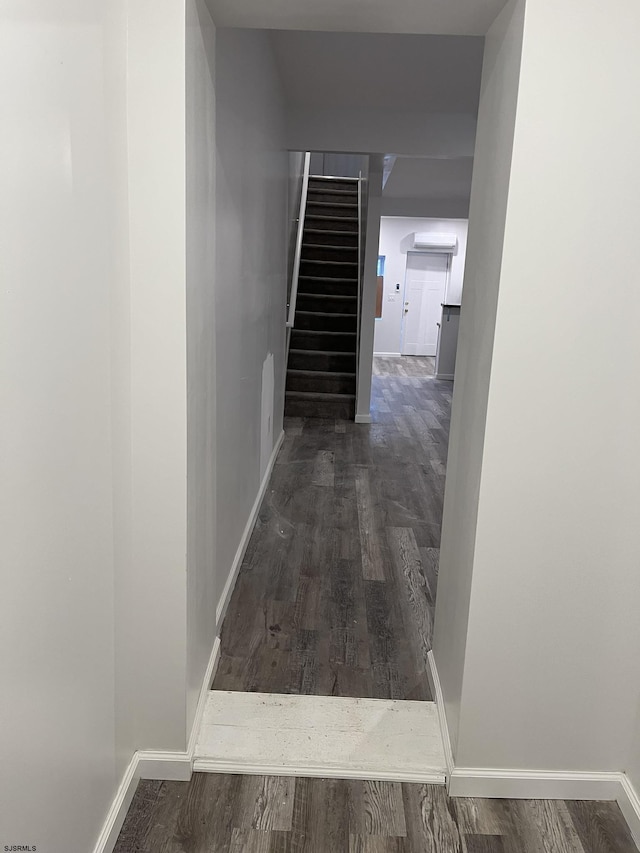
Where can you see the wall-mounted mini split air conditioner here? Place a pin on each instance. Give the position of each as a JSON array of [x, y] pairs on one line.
[[436, 242]]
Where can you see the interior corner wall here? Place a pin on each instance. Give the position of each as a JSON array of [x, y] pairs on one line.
[[250, 295], [489, 193], [201, 355], [396, 239], [57, 665], [557, 543]]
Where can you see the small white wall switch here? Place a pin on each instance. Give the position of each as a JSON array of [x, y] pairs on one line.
[[391, 297]]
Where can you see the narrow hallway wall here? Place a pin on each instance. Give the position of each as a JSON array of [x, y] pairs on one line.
[[538, 482], [252, 170], [57, 738], [201, 354], [487, 215], [549, 567], [633, 766]]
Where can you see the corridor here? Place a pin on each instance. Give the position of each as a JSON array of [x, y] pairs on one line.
[[336, 593]]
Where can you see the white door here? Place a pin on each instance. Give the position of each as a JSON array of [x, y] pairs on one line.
[[424, 288]]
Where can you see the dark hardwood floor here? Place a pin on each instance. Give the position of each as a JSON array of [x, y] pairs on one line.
[[337, 589], [260, 814]]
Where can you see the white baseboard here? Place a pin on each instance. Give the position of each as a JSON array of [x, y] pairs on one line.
[[388, 354], [119, 808], [162, 764], [436, 690], [444, 376], [629, 803], [533, 784], [156, 764], [363, 419], [550, 785], [210, 671], [225, 598]]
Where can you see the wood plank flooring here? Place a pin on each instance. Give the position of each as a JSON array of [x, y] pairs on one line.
[[336, 593], [215, 813]]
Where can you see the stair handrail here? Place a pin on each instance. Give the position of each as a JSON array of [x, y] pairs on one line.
[[295, 273]]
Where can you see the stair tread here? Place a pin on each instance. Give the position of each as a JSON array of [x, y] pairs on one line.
[[326, 352], [333, 203], [306, 245], [332, 314], [326, 216], [333, 374], [324, 261], [319, 395], [343, 297], [331, 179], [322, 331], [327, 191], [353, 280], [328, 231]]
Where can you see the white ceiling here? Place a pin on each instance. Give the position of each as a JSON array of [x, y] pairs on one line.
[[416, 177], [439, 17], [376, 71]]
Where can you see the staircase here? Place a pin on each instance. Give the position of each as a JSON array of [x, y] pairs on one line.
[[321, 372]]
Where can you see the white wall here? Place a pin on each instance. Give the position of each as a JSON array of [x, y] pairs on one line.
[[475, 344], [633, 764], [363, 130], [426, 207], [94, 396], [151, 583], [250, 298], [57, 664], [553, 633], [396, 239], [201, 355]]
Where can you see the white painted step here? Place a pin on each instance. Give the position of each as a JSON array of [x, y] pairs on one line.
[[327, 736]]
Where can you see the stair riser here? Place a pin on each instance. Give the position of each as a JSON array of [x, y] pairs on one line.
[[334, 409], [327, 286], [311, 302], [342, 209], [322, 253], [336, 343], [310, 360], [322, 384], [329, 269], [328, 186], [326, 322], [334, 197], [324, 236], [321, 222]]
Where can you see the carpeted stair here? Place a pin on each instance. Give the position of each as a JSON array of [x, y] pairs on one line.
[[321, 372]]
